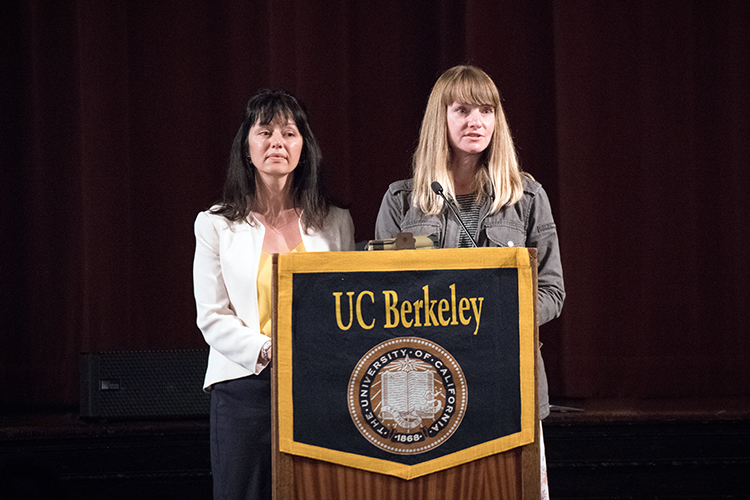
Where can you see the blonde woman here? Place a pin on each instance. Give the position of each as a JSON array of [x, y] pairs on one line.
[[466, 147]]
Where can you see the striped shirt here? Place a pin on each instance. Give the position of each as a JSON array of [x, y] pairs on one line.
[[468, 209]]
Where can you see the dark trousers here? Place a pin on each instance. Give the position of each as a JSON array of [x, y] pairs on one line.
[[241, 438]]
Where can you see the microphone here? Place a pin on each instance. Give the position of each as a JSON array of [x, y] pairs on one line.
[[438, 189]]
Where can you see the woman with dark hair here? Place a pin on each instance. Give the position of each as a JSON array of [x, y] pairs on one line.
[[465, 145], [272, 203]]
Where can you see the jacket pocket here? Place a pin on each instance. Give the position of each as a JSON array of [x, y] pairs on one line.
[[420, 227], [506, 235]]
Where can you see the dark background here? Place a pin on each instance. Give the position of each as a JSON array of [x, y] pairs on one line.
[[116, 120]]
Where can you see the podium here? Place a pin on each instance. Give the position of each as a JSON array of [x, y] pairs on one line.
[[405, 374]]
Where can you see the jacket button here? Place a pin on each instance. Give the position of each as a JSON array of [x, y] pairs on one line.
[[510, 243]]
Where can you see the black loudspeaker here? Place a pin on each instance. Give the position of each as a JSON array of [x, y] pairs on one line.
[[144, 384]]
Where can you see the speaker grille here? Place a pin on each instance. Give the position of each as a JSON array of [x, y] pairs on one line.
[[144, 384]]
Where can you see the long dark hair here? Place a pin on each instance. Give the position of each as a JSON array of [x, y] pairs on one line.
[[240, 192]]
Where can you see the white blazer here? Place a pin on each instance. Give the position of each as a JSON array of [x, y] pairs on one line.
[[225, 273]]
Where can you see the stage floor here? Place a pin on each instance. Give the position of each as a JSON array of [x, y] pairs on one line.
[[596, 449]]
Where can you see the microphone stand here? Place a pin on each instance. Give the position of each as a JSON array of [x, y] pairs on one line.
[[438, 189]]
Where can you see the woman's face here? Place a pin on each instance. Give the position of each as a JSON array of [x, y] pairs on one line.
[[470, 127], [275, 148]]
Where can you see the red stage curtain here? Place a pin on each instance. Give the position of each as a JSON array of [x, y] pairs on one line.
[[117, 118]]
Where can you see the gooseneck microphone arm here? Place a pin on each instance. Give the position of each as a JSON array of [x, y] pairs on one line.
[[438, 189]]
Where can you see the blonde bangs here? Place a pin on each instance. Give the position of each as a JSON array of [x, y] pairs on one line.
[[471, 87]]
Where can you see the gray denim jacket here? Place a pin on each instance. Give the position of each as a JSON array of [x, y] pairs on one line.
[[527, 223]]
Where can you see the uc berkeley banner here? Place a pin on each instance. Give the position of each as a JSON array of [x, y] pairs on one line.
[[405, 362]]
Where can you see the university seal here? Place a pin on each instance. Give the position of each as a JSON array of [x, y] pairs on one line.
[[407, 395]]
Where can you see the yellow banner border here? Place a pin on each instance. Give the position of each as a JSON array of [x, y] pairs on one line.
[[405, 260]]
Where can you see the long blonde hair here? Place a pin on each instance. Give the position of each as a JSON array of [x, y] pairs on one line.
[[498, 176]]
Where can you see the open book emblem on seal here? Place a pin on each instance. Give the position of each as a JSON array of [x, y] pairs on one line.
[[407, 395]]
